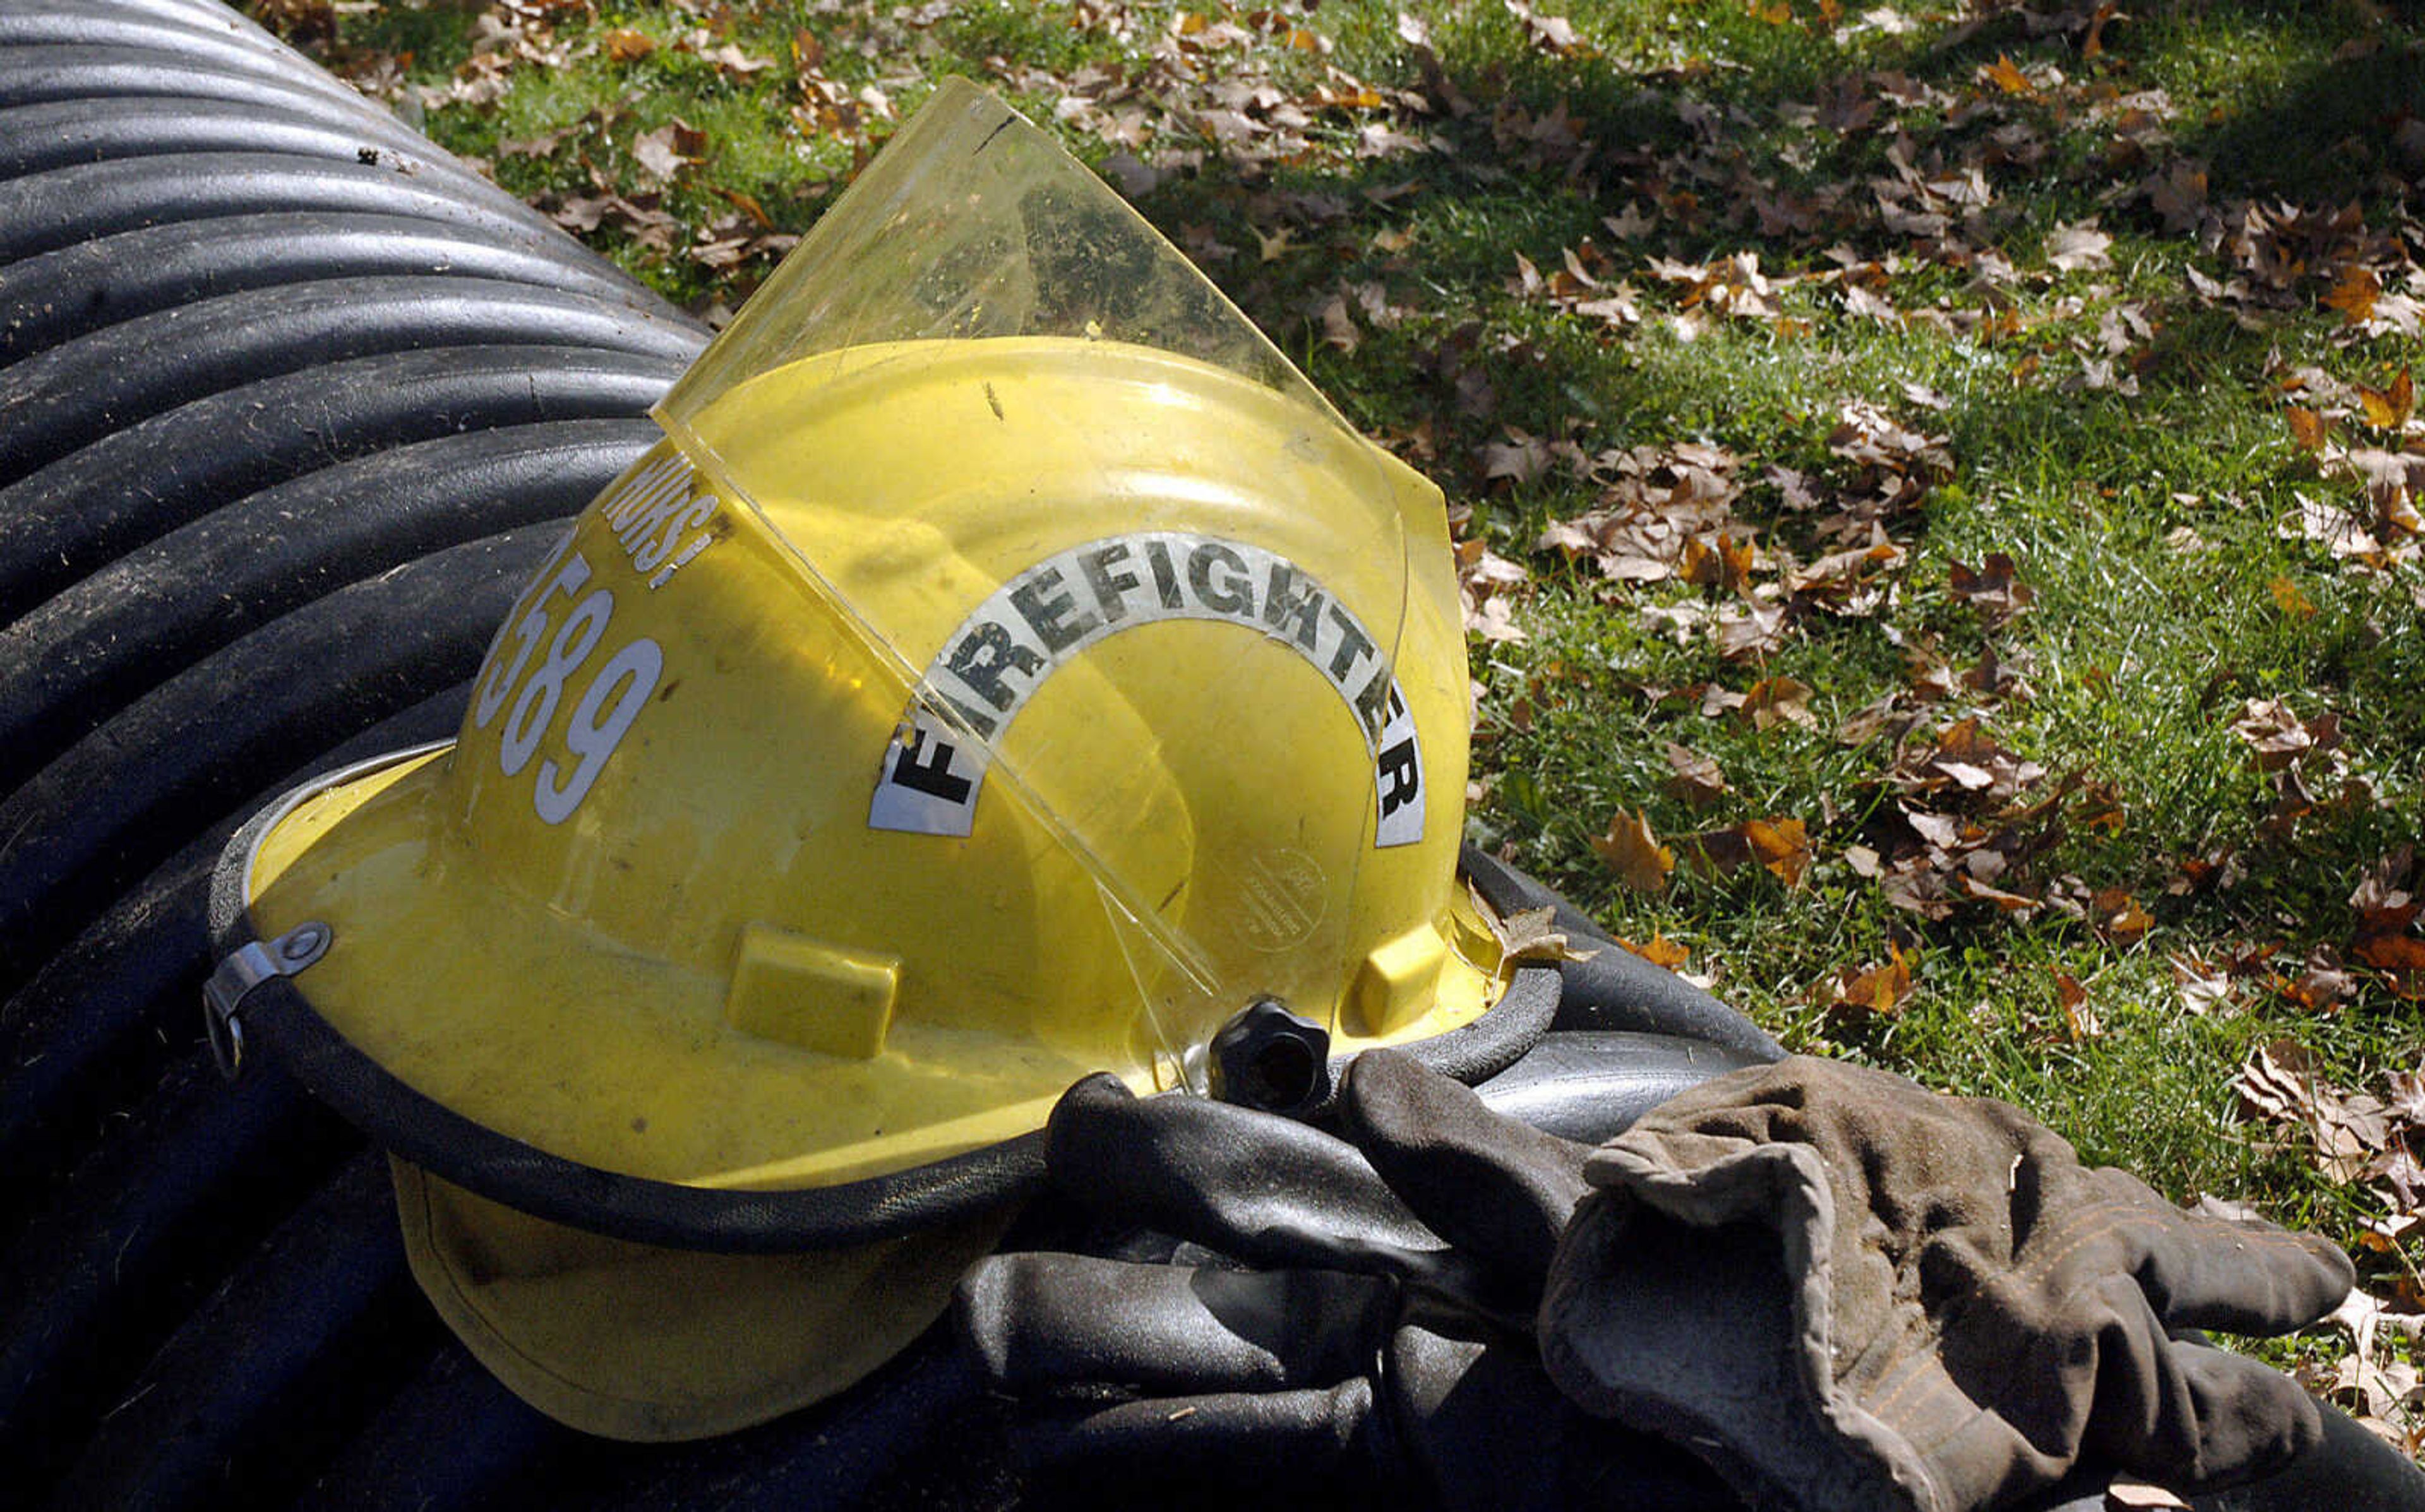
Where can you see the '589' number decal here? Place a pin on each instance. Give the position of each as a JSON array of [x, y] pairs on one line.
[[530, 685]]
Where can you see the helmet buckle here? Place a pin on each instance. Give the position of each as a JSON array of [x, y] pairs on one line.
[[242, 970]]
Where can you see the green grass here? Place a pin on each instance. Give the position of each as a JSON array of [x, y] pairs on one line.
[[2139, 652]]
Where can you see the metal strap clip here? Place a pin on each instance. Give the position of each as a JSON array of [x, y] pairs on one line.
[[247, 968]]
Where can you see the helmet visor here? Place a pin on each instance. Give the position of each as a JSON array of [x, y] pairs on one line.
[[997, 424]]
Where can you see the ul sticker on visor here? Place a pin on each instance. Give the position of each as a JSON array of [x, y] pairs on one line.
[[1002, 653]]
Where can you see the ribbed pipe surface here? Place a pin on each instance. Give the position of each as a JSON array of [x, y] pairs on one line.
[[294, 401]]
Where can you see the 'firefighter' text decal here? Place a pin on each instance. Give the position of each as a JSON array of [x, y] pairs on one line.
[[1003, 652]]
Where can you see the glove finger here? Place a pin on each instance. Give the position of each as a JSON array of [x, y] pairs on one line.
[[1259, 1188], [2347, 1470], [2209, 1419], [1495, 1187], [2237, 1276], [1034, 1321]]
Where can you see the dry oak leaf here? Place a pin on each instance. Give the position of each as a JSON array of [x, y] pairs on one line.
[[1963, 755], [1631, 850], [1482, 574], [729, 58], [1721, 562], [2348, 1131], [2309, 429], [1877, 990], [1697, 780], [666, 150], [1778, 700], [2004, 76], [1837, 579], [2407, 1088], [1987, 892], [2381, 897], [2389, 408], [1782, 845], [2354, 294], [2079, 247], [1478, 566], [2278, 739], [1995, 590], [1865, 436], [1748, 633], [1912, 886], [624, 45], [1554, 35], [2117, 915], [2177, 194], [1526, 934], [1889, 716], [2201, 986], [1521, 457], [2320, 983], [2080, 1020], [1531, 935], [1659, 951]]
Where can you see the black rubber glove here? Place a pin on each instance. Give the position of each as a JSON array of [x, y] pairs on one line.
[[1379, 1348], [1858, 1294], [1378, 1351]]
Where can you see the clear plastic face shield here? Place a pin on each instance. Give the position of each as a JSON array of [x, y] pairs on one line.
[[1134, 578]]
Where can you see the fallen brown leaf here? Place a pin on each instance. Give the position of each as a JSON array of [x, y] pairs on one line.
[[2079, 1021], [2346, 1131], [2277, 738], [670, 148], [1782, 846], [2201, 986], [2011, 902], [1778, 700], [1877, 990], [2392, 952], [2354, 294], [1554, 35], [2079, 247], [624, 45], [2290, 600], [1659, 951], [2321, 984], [1631, 850], [2004, 76], [2118, 916], [1995, 590], [1722, 563], [1697, 779], [2389, 408]]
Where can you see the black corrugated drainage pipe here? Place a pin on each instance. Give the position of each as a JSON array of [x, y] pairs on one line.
[[293, 401]]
